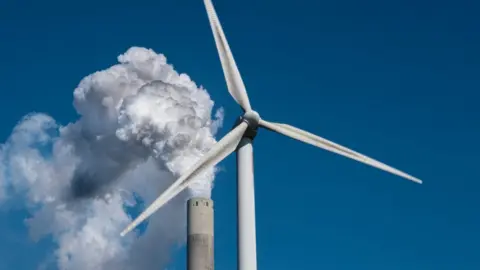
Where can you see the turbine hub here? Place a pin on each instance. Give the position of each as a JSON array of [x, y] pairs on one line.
[[252, 118]]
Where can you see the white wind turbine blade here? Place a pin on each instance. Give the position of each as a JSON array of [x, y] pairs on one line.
[[219, 151], [230, 70], [320, 142]]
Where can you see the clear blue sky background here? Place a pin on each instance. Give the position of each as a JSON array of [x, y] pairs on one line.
[[396, 80]]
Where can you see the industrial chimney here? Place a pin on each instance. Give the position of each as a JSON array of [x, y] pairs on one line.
[[200, 234]]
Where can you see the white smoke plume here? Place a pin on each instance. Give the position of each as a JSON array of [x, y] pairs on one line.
[[141, 125]]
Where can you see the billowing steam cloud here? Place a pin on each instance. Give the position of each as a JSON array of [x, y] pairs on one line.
[[141, 125]]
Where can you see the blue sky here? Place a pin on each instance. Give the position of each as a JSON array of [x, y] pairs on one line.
[[398, 82]]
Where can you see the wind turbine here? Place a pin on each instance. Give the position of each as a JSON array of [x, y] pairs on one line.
[[240, 139]]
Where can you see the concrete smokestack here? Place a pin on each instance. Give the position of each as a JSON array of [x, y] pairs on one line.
[[200, 234]]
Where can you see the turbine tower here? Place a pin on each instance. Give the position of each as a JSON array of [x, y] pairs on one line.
[[240, 139]]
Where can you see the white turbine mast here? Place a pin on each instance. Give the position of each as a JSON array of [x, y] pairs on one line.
[[239, 139]]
